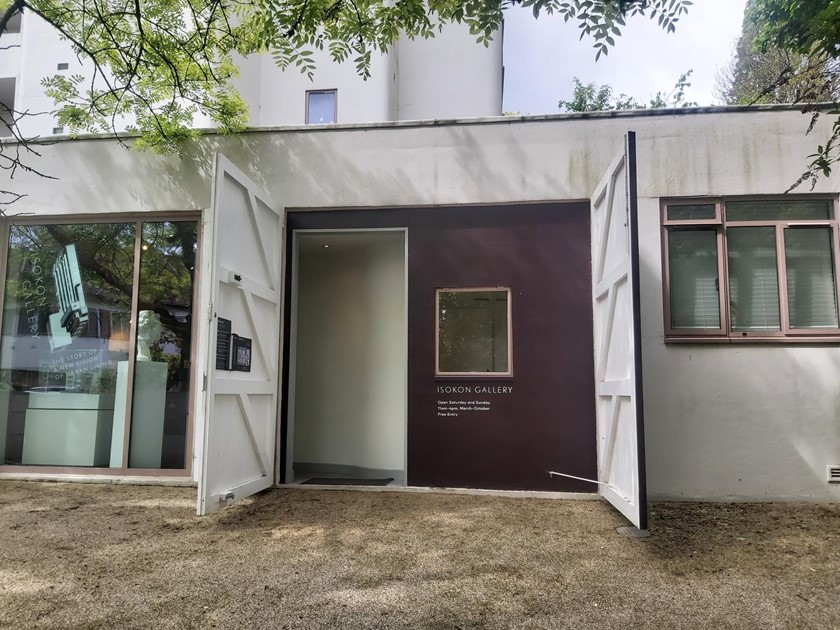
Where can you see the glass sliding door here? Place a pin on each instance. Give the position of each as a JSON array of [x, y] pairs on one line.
[[161, 393], [66, 322], [95, 367]]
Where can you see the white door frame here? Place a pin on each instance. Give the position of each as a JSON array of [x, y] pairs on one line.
[[288, 473]]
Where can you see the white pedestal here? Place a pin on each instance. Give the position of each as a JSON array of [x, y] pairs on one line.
[[67, 429], [120, 399], [149, 404], [4, 422]]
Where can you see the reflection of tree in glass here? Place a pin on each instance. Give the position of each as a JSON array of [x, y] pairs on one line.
[[167, 270], [106, 256], [105, 253], [473, 331]]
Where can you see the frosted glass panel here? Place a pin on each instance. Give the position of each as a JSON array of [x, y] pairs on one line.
[[788, 210], [693, 266], [753, 279], [693, 212], [812, 291]]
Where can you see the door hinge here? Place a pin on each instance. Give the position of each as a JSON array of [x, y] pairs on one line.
[[210, 312], [204, 385]]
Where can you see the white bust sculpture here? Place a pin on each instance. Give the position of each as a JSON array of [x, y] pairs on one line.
[[148, 331]]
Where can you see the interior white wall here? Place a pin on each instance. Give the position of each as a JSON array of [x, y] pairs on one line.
[[350, 361], [723, 421]]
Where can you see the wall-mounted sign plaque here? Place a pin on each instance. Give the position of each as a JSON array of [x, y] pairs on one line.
[[223, 330], [241, 354]]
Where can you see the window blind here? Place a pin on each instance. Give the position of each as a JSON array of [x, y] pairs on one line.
[[811, 284], [753, 279], [693, 267]]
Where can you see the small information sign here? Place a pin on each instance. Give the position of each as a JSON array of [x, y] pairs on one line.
[[241, 354], [223, 335]]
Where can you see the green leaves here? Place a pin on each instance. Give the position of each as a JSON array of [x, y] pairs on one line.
[[789, 52], [802, 26], [591, 97], [602, 19], [158, 64]]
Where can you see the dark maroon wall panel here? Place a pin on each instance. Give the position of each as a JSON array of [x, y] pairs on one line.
[[508, 432]]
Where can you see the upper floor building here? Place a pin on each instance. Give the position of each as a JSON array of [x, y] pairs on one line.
[[450, 76]]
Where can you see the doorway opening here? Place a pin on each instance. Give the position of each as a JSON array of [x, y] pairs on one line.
[[348, 352]]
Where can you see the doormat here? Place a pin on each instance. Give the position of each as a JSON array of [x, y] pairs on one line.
[[348, 481]]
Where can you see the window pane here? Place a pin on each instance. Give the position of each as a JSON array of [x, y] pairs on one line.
[[693, 270], [787, 210], [753, 279], [473, 331], [161, 393], [65, 330], [692, 213], [321, 108], [812, 294]]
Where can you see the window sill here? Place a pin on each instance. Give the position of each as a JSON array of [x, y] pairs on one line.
[[478, 376], [799, 340]]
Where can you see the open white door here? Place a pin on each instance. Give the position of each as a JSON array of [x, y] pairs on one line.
[[241, 410], [618, 358]]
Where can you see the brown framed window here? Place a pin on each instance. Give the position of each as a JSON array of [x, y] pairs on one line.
[[751, 269], [473, 332]]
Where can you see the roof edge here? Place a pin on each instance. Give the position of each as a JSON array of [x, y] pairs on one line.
[[491, 120]]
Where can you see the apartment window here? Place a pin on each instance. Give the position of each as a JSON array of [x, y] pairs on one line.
[[474, 332], [321, 107], [63, 66], [57, 130], [751, 269]]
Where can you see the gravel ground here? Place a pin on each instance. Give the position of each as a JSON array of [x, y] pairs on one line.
[[103, 556]]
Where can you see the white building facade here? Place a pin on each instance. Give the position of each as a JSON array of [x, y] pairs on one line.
[[450, 76], [737, 330]]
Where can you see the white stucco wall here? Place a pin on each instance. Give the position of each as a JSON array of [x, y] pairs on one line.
[[450, 76], [722, 421], [42, 49], [350, 372], [282, 98]]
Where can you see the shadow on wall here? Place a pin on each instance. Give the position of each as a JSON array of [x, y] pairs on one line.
[[341, 168], [371, 167]]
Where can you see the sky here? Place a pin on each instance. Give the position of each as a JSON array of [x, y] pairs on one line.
[[542, 56]]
